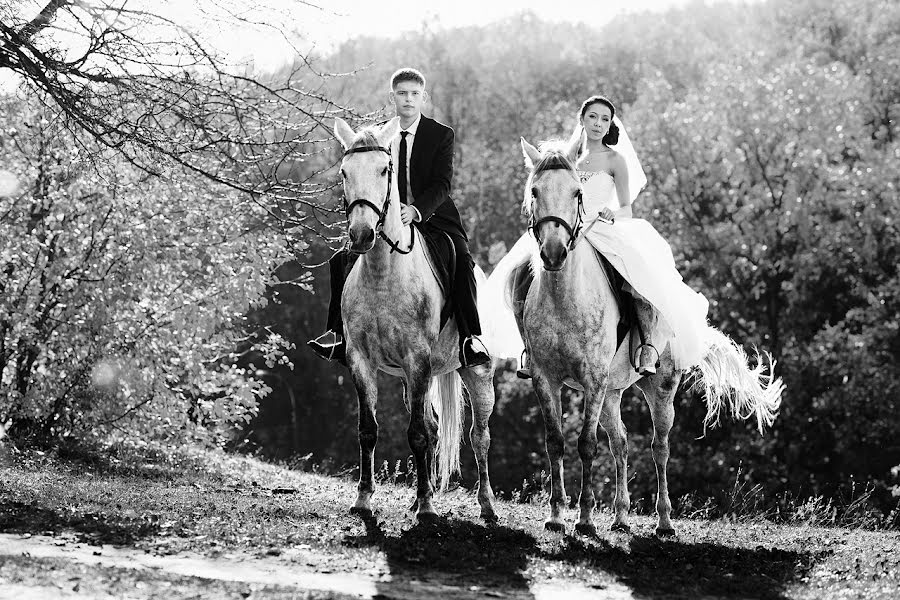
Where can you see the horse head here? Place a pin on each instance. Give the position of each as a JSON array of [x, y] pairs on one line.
[[553, 200], [367, 173]]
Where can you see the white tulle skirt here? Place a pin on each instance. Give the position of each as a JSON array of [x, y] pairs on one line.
[[637, 251]]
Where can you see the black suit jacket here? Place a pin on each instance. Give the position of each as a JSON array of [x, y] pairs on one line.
[[430, 177]]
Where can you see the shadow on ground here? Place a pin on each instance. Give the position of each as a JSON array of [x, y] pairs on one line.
[[452, 558], [669, 568], [474, 558], [93, 528]]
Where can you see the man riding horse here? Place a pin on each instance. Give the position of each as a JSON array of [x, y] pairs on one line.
[[423, 153]]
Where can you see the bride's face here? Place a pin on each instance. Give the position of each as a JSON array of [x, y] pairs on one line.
[[596, 121]]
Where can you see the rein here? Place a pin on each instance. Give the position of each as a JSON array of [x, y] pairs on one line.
[[382, 210]]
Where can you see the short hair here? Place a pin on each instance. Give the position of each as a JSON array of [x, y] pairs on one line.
[[407, 74]]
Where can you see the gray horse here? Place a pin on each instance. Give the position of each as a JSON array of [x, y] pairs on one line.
[[568, 320], [391, 305]]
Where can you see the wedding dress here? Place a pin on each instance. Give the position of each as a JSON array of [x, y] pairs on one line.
[[638, 252]]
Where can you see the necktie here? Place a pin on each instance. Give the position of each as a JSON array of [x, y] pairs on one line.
[[402, 179]]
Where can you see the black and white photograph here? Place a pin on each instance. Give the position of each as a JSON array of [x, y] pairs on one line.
[[401, 300]]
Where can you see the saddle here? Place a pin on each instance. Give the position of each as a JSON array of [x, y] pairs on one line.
[[441, 254]]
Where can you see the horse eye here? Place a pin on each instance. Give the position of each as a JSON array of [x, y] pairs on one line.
[[384, 171], [534, 192]]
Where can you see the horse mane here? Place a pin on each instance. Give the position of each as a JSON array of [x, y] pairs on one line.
[[365, 138], [553, 156]]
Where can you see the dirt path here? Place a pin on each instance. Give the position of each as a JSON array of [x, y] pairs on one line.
[[257, 574]]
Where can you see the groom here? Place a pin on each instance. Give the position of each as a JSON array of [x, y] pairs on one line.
[[423, 155]]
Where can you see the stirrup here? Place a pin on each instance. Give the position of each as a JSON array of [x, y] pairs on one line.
[[480, 357], [333, 347], [636, 357], [523, 372]]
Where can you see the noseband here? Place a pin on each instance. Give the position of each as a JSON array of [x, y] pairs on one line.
[[382, 210], [573, 230]]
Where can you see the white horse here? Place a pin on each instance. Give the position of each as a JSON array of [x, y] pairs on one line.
[[391, 305], [569, 319]]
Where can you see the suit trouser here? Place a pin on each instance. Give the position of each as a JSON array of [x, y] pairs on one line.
[[464, 294]]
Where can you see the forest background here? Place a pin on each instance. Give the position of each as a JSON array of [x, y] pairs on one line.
[[163, 305]]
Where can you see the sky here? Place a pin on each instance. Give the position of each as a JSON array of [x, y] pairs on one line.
[[328, 23]]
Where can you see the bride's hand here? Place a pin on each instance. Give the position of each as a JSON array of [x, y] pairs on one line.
[[607, 214]]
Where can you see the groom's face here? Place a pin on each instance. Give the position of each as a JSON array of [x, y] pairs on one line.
[[408, 98]]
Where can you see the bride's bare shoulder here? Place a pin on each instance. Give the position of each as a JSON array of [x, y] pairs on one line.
[[617, 162]]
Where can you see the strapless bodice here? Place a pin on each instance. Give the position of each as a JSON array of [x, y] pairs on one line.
[[599, 191]]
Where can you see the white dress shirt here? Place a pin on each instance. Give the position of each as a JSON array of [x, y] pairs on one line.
[[395, 156]]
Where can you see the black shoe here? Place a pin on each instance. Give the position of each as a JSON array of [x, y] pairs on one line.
[[470, 356], [524, 370], [334, 350]]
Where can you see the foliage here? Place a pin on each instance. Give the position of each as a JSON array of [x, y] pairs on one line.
[[123, 295]]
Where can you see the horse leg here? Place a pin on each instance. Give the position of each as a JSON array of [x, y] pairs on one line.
[[587, 450], [480, 386], [551, 406], [422, 437], [611, 421], [366, 383], [659, 391]]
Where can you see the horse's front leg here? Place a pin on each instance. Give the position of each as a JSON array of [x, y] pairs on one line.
[[551, 406], [611, 421], [479, 383], [365, 380], [594, 397], [422, 436]]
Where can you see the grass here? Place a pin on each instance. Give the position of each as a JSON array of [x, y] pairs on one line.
[[194, 502]]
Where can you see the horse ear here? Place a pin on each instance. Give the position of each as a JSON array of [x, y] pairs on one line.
[[388, 132], [343, 132], [575, 144], [532, 155]]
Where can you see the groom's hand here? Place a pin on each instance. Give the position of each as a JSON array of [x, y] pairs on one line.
[[408, 214]]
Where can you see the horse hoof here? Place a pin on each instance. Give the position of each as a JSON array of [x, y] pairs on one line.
[[361, 511], [555, 526], [490, 518], [586, 529], [427, 518], [621, 527], [665, 532]]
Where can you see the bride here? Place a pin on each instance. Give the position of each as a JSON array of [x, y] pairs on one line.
[[666, 309]]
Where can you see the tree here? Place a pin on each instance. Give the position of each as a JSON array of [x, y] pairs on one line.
[[122, 295], [144, 80]]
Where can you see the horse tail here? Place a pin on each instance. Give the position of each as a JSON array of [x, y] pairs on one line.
[[446, 397], [724, 375]]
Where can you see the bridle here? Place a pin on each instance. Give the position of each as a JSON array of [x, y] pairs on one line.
[[381, 211], [575, 230]]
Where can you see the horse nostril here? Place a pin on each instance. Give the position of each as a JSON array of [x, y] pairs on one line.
[[543, 256]]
